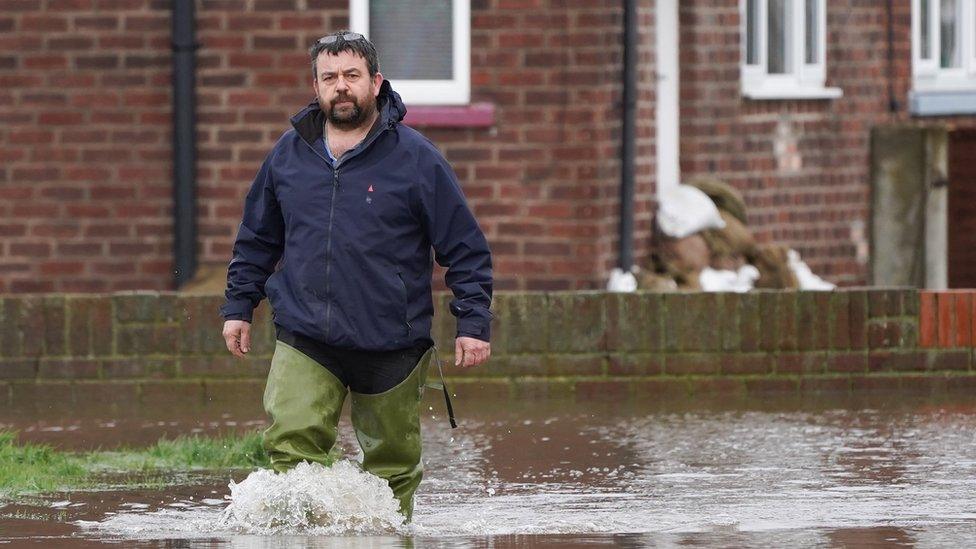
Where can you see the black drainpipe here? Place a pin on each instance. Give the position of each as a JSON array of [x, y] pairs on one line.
[[629, 137], [184, 141]]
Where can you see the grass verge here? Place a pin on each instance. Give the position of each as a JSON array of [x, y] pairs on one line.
[[35, 468]]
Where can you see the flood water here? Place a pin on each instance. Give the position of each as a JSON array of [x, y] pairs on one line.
[[884, 470]]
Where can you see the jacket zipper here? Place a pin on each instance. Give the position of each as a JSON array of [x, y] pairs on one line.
[[335, 187], [328, 249]]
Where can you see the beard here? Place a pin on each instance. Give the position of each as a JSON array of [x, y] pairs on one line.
[[352, 114]]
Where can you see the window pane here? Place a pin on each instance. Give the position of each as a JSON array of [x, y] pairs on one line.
[[924, 23], [752, 32], [949, 33], [414, 38], [812, 25], [776, 26]]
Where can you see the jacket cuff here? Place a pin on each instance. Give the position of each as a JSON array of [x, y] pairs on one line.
[[475, 328], [238, 310]]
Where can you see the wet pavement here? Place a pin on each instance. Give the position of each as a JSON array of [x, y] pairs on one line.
[[884, 470]]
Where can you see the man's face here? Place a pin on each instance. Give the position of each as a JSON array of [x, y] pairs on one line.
[[345, 91]]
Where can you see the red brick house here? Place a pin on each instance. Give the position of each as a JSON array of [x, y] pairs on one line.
[[777, 97]]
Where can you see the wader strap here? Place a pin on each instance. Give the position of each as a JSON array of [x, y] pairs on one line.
[[443, 386]]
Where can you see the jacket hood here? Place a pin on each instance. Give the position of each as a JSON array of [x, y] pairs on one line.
[[308, 122]]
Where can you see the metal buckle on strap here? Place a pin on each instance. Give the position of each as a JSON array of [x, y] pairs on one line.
[[443, 387]]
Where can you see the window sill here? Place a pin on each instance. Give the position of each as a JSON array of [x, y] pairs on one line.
[[475, 115], [792, 93], [941, 103]]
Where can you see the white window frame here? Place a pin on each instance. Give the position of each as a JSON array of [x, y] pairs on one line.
[[455, 91], [807, 80], [927, 75]]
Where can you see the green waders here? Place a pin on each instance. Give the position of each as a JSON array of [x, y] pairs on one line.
[[304, 401], [387, 426]]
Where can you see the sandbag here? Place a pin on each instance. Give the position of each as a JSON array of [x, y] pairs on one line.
[[724, 196], [729, 246], [682, 259], [685, 210], [773, 263]]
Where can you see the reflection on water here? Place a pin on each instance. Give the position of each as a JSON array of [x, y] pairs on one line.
[[887, 471]]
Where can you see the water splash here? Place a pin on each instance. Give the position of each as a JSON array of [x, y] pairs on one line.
[[311, 498]]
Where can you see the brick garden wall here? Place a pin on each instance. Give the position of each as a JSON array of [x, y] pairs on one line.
[[591, 343]]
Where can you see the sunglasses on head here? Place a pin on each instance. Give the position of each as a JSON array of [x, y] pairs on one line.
[[347, 37]]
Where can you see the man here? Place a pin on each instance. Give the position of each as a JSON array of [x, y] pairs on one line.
[[337, 232]]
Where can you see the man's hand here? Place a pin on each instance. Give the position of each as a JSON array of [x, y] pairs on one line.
[[470, 352], [237, 336]]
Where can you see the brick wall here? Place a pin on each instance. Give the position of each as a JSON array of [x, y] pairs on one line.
[[821, 206], [84, 145], [587, 343], [545, 181], [85, 169], [85, 141]]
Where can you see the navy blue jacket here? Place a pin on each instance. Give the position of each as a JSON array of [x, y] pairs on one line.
[[354, 238]]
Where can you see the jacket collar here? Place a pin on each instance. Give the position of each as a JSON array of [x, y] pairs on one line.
[[309, 121]]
